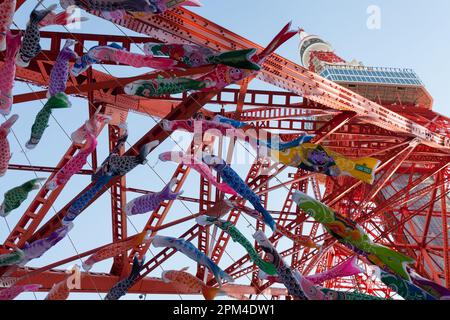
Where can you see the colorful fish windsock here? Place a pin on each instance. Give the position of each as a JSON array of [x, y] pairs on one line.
[[39, 247], [194, 56], [12, 292], [219, 78], [59, 291], [301, 240], [404, 288], [93, 125], [13, 258], [162, 86], [151, 201], [16, 196], [63, 18], [230, 177], [121, 288], [5, 152], [147, 6], [315, 158], [341, 295], [347, 268], [262, 137], [238, 237], [7, 10], [184, 281], [31, 47], [74, 165], [117, 165], [85, 198], [436, 290], [202, 127], [8, 71], [60, 71], [114, 53], [197, 165], [284, 271], [219, 209], [113, 166], [115, 249], [193, 253], [222, 76], [351, 234], [58, 101]]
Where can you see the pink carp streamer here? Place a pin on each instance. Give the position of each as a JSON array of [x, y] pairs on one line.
[[346, 269], [74, 165], [8, 72], [5, 152], [199, 166], [151, 201], [63, 18], [120, 55], [203, 126], [7, 10], [115, 249], [12, 292], [93, 125]]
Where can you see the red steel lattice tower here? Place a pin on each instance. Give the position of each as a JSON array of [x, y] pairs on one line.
[[352, 109]]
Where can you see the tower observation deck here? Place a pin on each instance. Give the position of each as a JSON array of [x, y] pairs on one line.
[[386, 86]]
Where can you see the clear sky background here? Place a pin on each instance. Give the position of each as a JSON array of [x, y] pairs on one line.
[[413, 34]]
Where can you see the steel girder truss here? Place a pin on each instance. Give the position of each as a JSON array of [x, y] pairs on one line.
[[412, 142]]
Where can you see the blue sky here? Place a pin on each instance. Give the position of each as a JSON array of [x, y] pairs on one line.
[[413, 34]]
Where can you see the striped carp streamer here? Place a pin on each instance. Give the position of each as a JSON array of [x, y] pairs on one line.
[[230, 177], [238, 237], [284, 271], [353, 236]]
